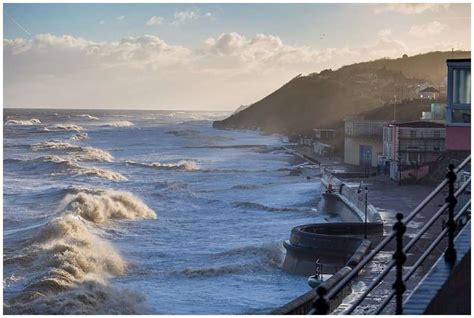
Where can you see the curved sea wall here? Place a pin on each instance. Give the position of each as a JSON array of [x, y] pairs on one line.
[[339, 247], [334, 244]]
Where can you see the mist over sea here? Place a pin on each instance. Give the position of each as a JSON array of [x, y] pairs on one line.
[[122, 212]]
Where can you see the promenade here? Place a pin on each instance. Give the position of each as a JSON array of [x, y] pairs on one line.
[[389, 198]]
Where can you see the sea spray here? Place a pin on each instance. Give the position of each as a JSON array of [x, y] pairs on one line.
[[98, 206], [74, 264]]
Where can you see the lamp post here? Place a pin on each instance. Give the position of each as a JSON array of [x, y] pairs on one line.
[[365, 223], [366, 191]]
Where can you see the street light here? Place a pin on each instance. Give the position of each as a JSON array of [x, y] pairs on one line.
[[366, 190], [365, 224]]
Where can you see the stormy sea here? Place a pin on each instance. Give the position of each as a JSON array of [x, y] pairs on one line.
[[147, 212]]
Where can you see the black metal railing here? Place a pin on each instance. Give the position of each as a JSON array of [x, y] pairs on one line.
[[321, 303]]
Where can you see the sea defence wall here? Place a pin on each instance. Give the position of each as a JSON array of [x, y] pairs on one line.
[[304, 303], [333, 244], [351, 198], [339, 247]]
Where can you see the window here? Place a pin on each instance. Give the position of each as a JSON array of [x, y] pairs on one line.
[[413, 133], [461, 86], [461, 116], [436, 134]]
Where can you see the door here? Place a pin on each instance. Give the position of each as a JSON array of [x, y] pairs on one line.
[[365, 155]]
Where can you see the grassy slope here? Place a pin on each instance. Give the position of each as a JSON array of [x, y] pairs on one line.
[[324, 99]]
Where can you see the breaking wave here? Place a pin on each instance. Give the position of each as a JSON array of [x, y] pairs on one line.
[[29, 122], [188, 165], [73, 263], [78, 152], [88, 116], [248, 259], [122, 123], [64, 127], [57, 165], [80, 137], [257, 206]]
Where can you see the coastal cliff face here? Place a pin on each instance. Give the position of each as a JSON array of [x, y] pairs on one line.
[[322, 100]]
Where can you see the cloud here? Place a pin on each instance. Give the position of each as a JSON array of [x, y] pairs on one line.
[[155, 20], [182, 17], [409, 8], [384, 32], [146, 71], [120, 18], [101, 22], [431, 28]]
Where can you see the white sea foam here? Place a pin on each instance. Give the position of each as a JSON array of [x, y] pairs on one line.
[[77, 152], [74, 264], [80, 137], [188, 165], [122, 123], [64, 166], [64, 127], [89, 117], [30, 122]]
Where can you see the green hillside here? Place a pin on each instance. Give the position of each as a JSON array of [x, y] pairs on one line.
[[324, 99]]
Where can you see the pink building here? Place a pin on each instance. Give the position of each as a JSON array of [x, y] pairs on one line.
[[458, 110]]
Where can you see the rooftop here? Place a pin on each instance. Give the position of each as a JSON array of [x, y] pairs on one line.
[[419, 124], [429, 90]]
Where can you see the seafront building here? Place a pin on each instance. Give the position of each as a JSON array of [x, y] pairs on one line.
[[363, 143], [437, 113], [410, 148], [458, 110], [324, 141]]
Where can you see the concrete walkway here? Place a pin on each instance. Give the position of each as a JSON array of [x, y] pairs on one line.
[[389, 198]]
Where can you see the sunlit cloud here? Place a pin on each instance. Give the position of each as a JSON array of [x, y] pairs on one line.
[[147, 71], [155, 20], [410, 8], [427, 29]]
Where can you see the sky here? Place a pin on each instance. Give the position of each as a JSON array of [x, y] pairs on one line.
[[203, 56]]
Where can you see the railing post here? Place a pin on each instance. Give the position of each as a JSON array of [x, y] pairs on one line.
[[450, 254], [321, 304], [400, 259]]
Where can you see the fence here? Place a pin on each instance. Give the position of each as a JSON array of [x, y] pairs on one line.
[[320, 305]]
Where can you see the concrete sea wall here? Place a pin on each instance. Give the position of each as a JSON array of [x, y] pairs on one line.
[[339, 247]]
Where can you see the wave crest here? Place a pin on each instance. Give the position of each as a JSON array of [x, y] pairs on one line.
[[64, 127], [74, 264], [29, 122], [122, 123], [89, 116], [188, 165], [61, 166], [78, 152], [98, 206], [80, 137]]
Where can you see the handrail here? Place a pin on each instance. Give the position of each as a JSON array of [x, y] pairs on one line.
[[407, 248], [325, 295], [422, 258]]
